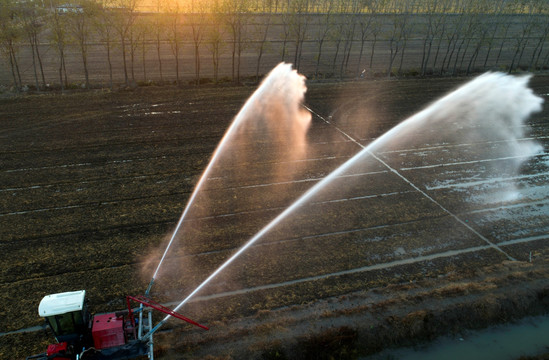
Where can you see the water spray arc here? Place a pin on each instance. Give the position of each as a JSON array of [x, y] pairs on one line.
[[196, 190], [281, 73], [187, 207], [508, 98], [416, 188]]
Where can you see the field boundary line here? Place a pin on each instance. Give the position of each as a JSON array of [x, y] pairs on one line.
[[469, 162], [381, 266], [487, 181]]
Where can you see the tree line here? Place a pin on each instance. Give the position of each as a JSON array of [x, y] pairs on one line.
[[325, 37]]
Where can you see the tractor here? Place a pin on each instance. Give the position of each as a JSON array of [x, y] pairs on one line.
[[119, 335]]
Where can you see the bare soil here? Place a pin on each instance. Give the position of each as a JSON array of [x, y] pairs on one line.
[[366, 322], [93, 182]]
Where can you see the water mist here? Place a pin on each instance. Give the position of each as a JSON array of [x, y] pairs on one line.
[[271, 125], [482, 121]]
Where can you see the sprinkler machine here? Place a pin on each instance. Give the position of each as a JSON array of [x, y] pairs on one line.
[[126, 334]]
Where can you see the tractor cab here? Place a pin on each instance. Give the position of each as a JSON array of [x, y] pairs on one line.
[[67, 315]]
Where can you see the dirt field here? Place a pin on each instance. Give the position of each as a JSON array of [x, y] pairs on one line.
[[93, 182]]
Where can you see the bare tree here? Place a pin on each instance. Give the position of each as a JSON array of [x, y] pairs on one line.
[[366, 23], [236, 14], [262, 30], [59, 40], [321, 30], [543, 37], [214, 37], [298, 25], [79, 24], [399, 33], [197, 19], [336, 35], [342, 31], [469, 29], [32, 17], [531, 10], [350, 19], [138, 40], [442, 29], [435, 12], [286, 32], [480, 33], [10, 35], [173, 14], [125, 14], [376, 29], [409, 13], [143, 27], [159, 30], [505, 26], [454, 34], [102, 24], [546, 60], [493, 27]]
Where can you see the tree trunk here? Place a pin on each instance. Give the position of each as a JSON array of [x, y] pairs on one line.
[[348, 47], [143, 58], [177, 64], [233, 55], [65, 70], [61, 72], [111, 84], [132, 58], [14, 68], [334, 62], [319, 55], [197, 63], [342, 65], [455, 69], [361, 51], [437, 52], [546, 60], [536, 64], [393, 54], [473, 59], [427, 42], [490, 45], [449, 54], [372, 53], [284, 47], [503, 41], [403, 50], [34, 63], [85, 64], [159, 57], [261, 48], [123, 45], [37, 42], [215, 61], [521, 44], [239, 53]]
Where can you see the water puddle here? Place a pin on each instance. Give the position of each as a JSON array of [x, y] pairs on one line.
[[527, 337], [162, 112]]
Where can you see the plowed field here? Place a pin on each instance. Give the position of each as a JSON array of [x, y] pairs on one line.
[[92, 183]]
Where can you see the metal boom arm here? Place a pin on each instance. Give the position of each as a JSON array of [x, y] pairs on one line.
[[152, 304]]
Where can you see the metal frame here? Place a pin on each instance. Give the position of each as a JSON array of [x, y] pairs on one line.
[[149, 330], [152, 304]]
